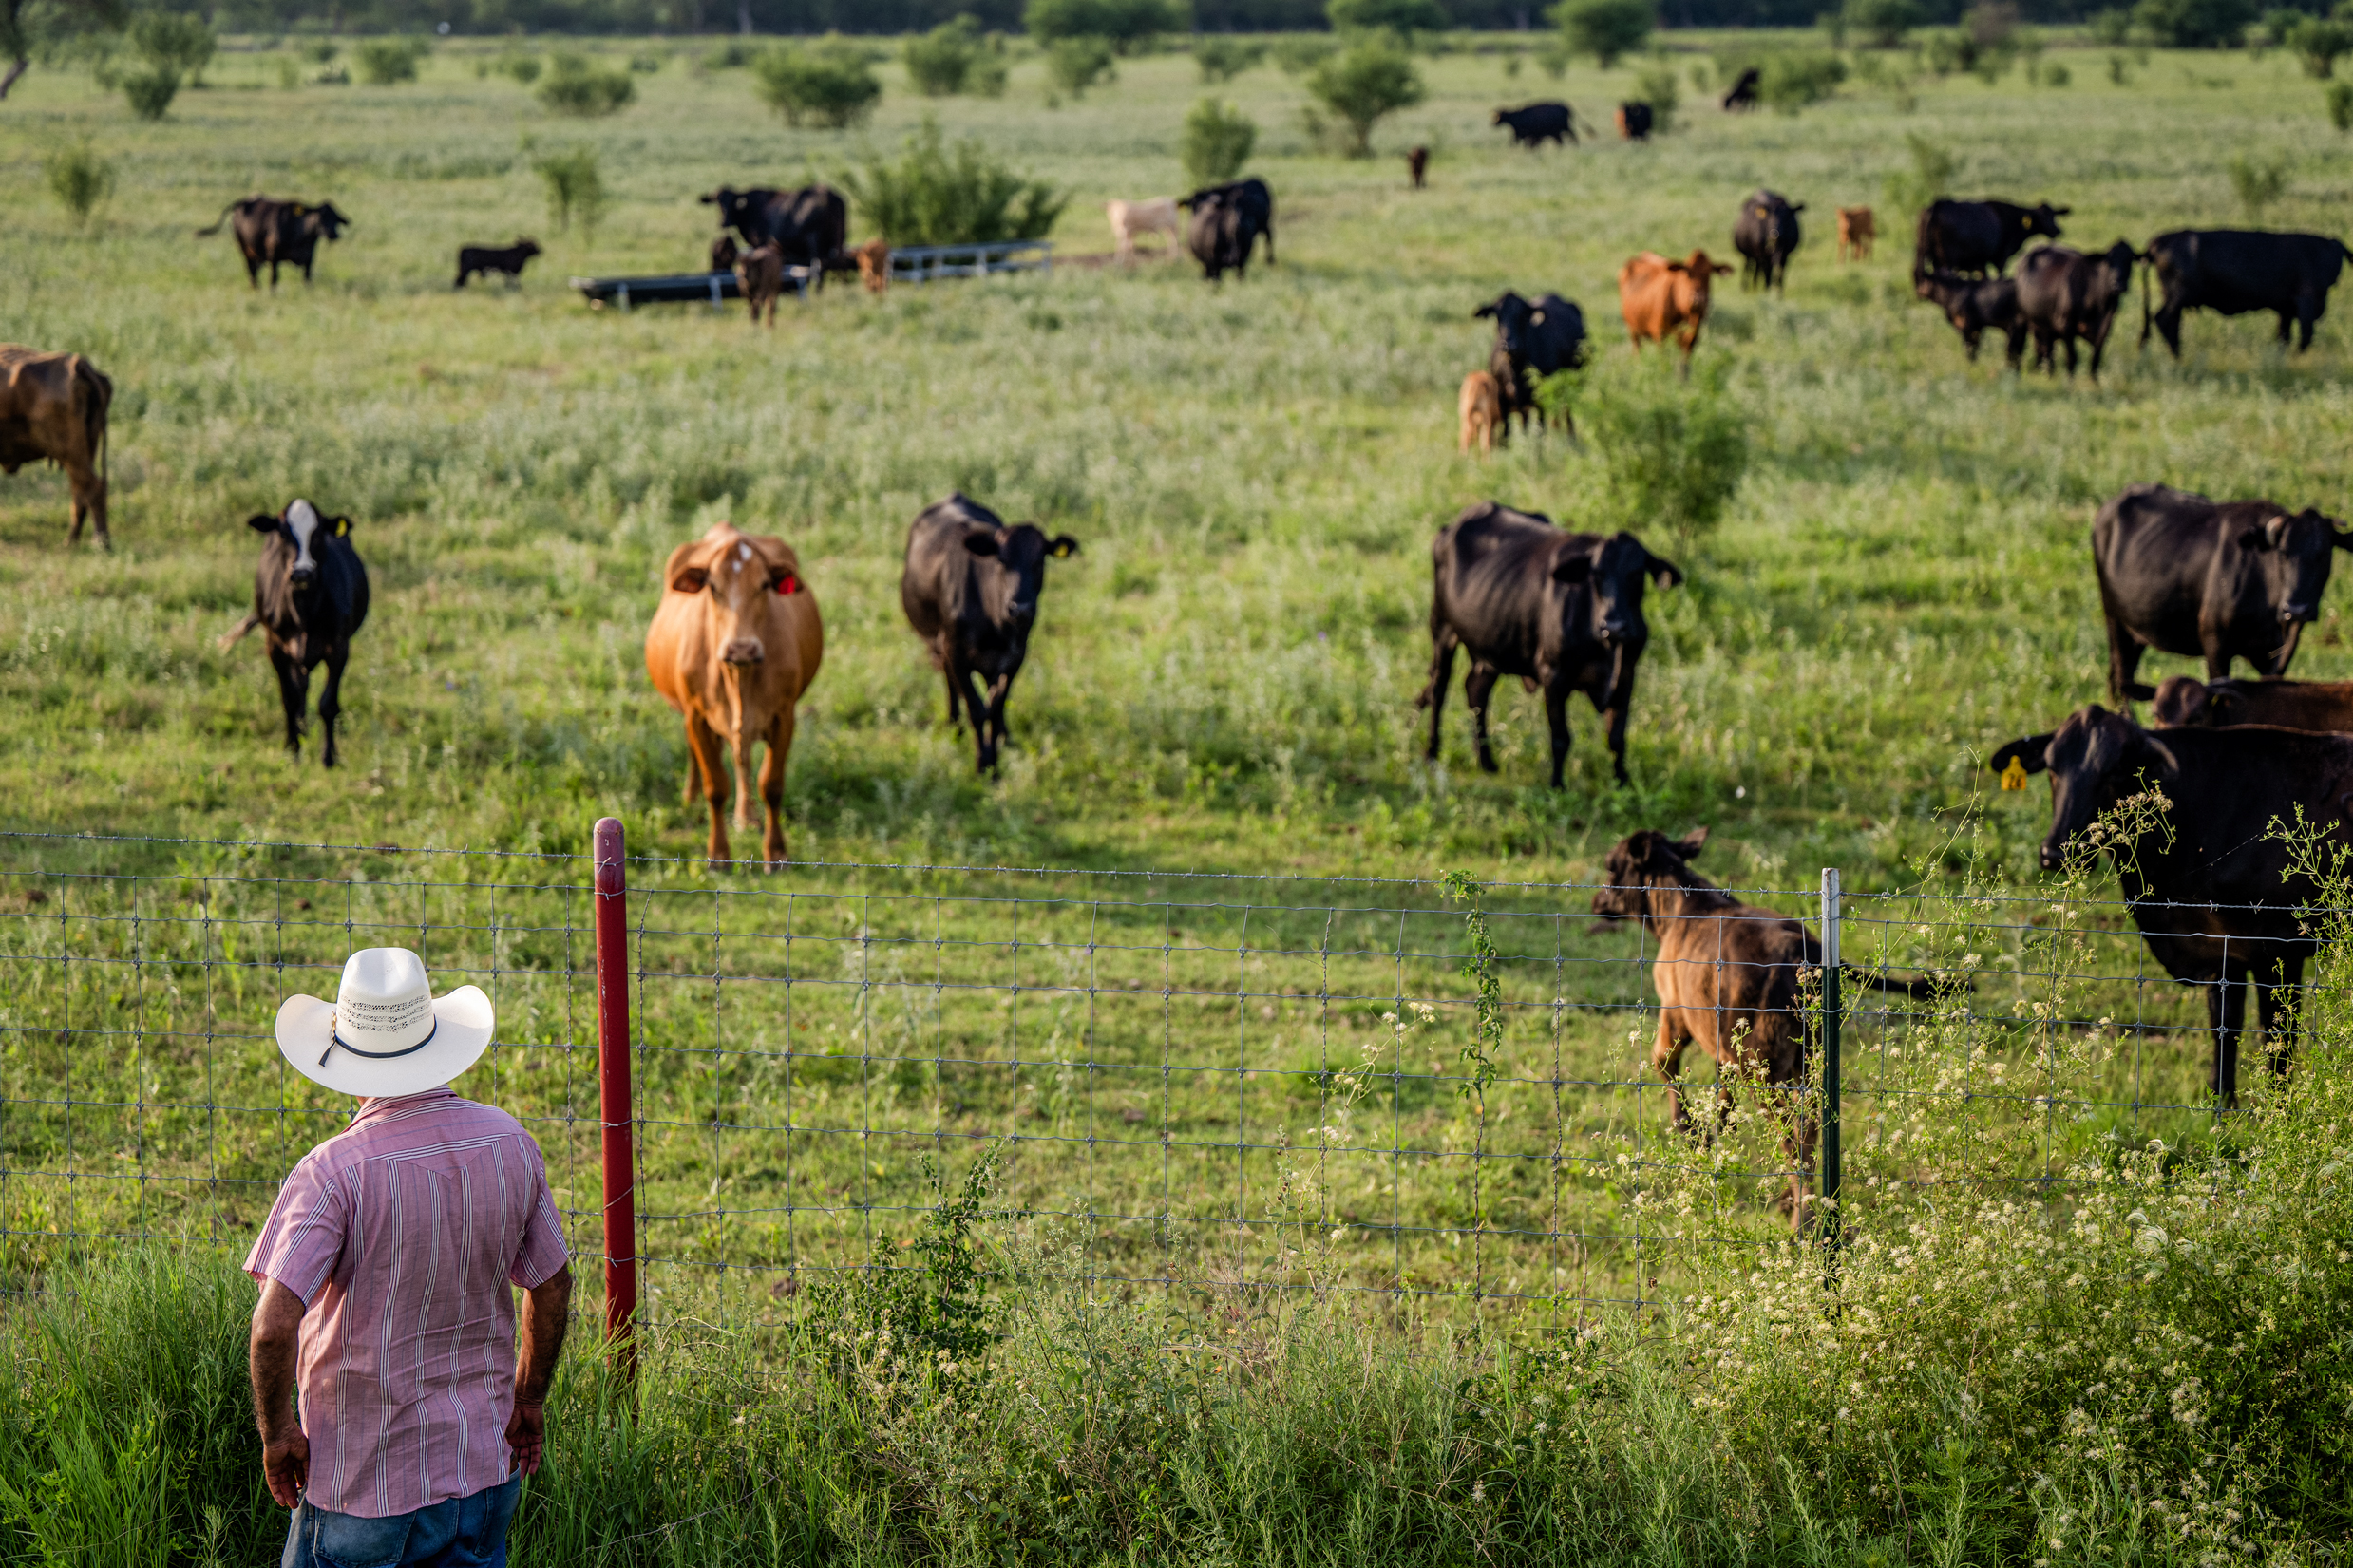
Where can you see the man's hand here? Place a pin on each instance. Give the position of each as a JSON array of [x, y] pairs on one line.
[[285, 1452], [526, 1433], [543, 1323]]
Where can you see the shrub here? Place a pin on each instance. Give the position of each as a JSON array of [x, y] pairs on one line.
[[1883, 23], [80, 179], [575, 186], [1796, 79], [576, 87], [2319, 45], [1129, 25], [522, 67], [1222, 59], [2195, 24], [1606, 29], [828, 82], [1673, 449], [1399, 16], [1992, 24], [2258, 184], [1930, 176], [936, 195], [151, 91], [1553, 58], [1076, 63], [2111, 28], [1363, 83], [1655, 86], [1300, 53], [2341, 106], [1216, 142], [382, 62], [168, 38], [733, 55], [941, 62]]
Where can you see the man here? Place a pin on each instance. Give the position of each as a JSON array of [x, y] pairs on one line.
[[385, 1269]]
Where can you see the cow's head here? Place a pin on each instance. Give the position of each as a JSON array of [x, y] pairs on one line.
[[2042, 220], [2184, 701], [526, 248], [2091, 758], [328, 222], [1641, 864], [302, 528], [1611, 574], [2293, 555], [733, 205], [739, 572], [1022, 551], [1702, 271], [2115, 270]]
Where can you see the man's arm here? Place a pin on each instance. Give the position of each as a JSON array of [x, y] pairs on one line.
[[544, 1319], [277, 1334]]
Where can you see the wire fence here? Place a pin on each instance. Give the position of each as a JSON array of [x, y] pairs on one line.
[[1194, 1082]]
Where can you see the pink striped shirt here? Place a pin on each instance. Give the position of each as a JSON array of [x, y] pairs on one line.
[[401, 1235]]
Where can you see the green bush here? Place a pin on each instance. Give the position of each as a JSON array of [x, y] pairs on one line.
[[575, 186], [936, 195], [1216, 142], [1300, 52], [1673, 448], [1222, 59], [941, 62], [1398, 16], [1931, 177], [382, 62], [80, 179], [524, 69], [1606, 29], [1655, 86], [1795, 78], [151, 91], [2194, 24], [2258, 183], [2341, 106], [2111, 28], [1362, 84], [1076, 63], [1883, 23], [170, 38], [2319, 44], [576, 85], [828, 82], [1129, 25]]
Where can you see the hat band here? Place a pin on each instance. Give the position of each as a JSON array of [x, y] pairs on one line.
[[334, 1040]]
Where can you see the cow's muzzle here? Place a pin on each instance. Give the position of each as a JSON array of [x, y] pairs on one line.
[[743, 651], [302, 577], [2054, 855], [1024, 610]]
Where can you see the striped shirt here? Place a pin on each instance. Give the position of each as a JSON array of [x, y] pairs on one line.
[[401, 1235]]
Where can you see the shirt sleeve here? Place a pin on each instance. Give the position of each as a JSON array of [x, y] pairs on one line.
[[543, 1251], [303, 1236]]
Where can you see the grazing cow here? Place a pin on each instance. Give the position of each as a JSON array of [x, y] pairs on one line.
[[1978, 236], [1972, 307], [1130, 218], [1228, 220], [310, 599], [1858, 230], [724, 253], [1538, 123], [2325, 706], [873, 264], [1634, 122], [2234, 270], [278, 233], [970, 590], [1541, 339], [1744, 91], [483, 260], [54, 409], [809, 225], [1765, 233], [2214, 886], [2063, 295], [1561, 610], [2226, 580], [759, 279], [1730, 977], [734, 646], [1658, 297], [1481, 405], [1417, 164]]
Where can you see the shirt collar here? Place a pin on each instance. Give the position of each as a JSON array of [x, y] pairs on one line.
[[376, 1110]]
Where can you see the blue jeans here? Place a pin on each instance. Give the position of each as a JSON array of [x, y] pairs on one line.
[[459, 1532]]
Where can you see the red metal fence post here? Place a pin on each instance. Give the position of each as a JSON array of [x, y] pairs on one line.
[[612, 1056]]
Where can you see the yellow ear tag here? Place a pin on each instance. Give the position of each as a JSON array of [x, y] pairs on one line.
[[2013, 776]]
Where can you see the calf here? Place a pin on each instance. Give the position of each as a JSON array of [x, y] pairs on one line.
[[1972, 307], [733, 647], [1130, 218], [2234, 270], [2226, 580], [1541, 339], [278, 233], [873, 264], [1730, 977], [1744, 91], [481, 260], [1978, 236], [54, 409], [2214, 887], [2323, 707], [1417, 164], [760, 277], [970, 589], [1765, 233], [1658, 297], [724, 254], [1482, 410], [2063, 295], [1537, 123], [310, 599], [1228, 220], [1561, 610], [1634, 122], [1857, 230]]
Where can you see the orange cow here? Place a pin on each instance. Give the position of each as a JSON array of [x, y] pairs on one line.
[[1659, 297], [54, 406], [873, 264], [1482, 409], [1857, 229], [733, 647]]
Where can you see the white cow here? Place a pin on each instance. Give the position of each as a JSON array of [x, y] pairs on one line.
[[1130, 218]]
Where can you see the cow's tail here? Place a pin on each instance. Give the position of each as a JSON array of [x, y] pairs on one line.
[[2148, 264], [207, 234]]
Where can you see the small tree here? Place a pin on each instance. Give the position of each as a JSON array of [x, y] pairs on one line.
[[1883, 23], [576, 87], [1078, 63], [151, 90], [2319, 45], [936, 195], [382, 62], [1216, 142], [830, 82], [1674, 450], [1398, 16], [169, 38], [1930, 176], [1606, 29], [1222, 59], [2341, 106], [2258, 183], [1363, 83], [2195, 24], [1796, 79], [1655, 86], [80, 179], [575, 186], [1127, 25], [941, 62]]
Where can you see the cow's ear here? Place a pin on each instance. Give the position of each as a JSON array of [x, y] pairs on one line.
[[1723, 269], [2020, 758], [690, 580], [1063, 547], [2341, 537], [1689, 846], [342, 525], [261, 522], [2254, 539], [2060, 211], [1573, 566], [981, 542], [1664, 572], [1486, 310]]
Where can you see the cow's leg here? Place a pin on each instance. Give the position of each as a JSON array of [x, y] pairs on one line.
[[252, 272], [89, 502], [773, 786], [1620, 703], [977, 711], [293, 694], [694, 757], [331, 700], [1000, 690], [2169, 327], [2217, 651], [2124, 650], [1477, 686], [1442, 647], [703, 741], [743, 740], [1556, 719], [2226, 1011], [1666, 1059], [1969, 336], [2016, 352], [2309, 308]]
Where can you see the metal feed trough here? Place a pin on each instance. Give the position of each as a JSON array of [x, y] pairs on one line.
[[623, 294], [921, 263]]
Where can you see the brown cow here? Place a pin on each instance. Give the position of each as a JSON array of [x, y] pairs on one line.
[[733, 647], [1482, 408], [724, 254], [760, 276], [1417, 164], [1658, 297], [2321, 706], [53, 406], [873, 264], [1728, 977], [1857, 229]]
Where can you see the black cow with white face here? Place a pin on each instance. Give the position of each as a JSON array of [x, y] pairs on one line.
[[2225, 579], [311, 599], [1766, 234], [1544, 338], [970, 589], [1561, 610], [810, 225]]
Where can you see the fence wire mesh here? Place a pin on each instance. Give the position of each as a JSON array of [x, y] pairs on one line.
[[1194, 1082]]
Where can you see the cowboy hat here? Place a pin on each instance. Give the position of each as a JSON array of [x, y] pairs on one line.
[[385, 1034]]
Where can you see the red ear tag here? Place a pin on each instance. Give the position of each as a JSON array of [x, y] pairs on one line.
[[787, 584]]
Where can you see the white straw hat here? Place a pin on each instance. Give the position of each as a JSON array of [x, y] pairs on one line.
[[385, 1034]]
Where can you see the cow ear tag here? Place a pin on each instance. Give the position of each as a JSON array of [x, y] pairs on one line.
[[787, 584], [2013, 776], [342, 526]]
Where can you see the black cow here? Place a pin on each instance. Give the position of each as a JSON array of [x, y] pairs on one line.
[[1228, 220], [1634, 122], [1537, 123], [1744, 91], [1544, 338], [2235, 270], [1765, 233], [2063, 295], [810, 225], [483, 259], [281, 234], [1973, 307], [2212, 888], [2226, 580], [1978, 236], [1561, 610], [970, 590], [311, 597]]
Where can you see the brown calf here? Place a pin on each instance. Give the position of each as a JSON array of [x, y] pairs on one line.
[[724, 254], [1482, 408], [2321, 706], [760, 273], [1417, 164], [1857, 229], [53, 406], [1661, 297], [873, 264]]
